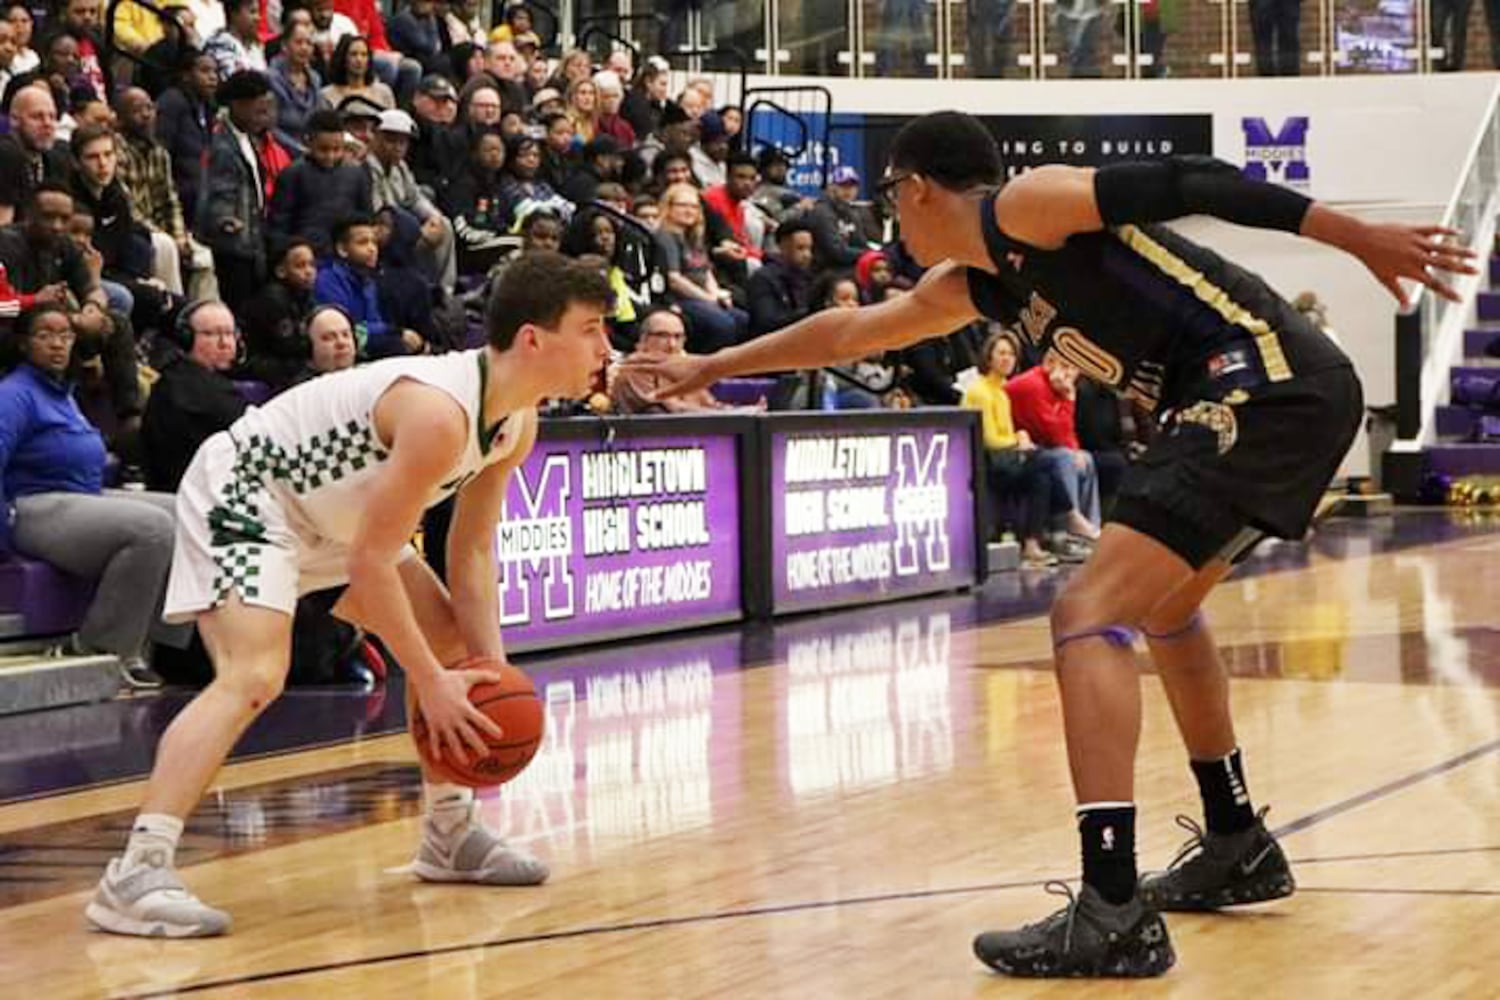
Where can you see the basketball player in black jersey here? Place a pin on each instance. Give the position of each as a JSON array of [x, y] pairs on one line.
[[1257, 408]]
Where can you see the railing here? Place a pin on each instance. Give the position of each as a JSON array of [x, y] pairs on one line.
[[1050, 39], [1429, 334]]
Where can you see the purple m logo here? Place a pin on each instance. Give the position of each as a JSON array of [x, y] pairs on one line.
[[534, 542], [1279, 156]]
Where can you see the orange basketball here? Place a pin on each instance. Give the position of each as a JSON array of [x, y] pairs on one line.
[[515, 707]]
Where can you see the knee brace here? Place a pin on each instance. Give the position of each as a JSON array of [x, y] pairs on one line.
[[1193, 624], [1119, 636]]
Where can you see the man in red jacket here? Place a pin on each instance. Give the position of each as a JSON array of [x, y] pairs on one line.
[[1042, 405]]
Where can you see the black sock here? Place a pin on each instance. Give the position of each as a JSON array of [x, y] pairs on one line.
[[1108, 834], [1226, 797]]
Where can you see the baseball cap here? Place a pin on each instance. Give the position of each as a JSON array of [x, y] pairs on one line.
[[844, 175], [544, 95], [397, 121], [436, 85]]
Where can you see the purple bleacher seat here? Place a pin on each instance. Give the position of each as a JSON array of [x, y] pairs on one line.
[[253, 392], [49, 601], [743, 391]]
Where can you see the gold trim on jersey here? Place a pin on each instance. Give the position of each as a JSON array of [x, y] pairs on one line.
[[1272, 357]]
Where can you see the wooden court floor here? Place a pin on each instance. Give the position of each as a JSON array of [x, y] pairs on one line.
[[839, 823]]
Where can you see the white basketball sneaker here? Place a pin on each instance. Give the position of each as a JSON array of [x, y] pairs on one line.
[[149, 900], [472, 853]]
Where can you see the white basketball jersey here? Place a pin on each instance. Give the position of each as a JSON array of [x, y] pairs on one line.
[[314, 447]]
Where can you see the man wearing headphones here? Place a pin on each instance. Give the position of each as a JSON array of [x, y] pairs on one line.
[[195, 397]]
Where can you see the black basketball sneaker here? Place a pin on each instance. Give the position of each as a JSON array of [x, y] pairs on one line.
[[1087, 938], [1215, 870]]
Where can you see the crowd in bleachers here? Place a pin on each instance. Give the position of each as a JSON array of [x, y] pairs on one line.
[[348, 185]]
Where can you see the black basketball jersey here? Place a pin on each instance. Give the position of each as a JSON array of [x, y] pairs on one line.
[[1147, 312]]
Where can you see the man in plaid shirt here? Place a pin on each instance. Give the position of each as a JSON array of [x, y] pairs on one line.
[[146, 169]]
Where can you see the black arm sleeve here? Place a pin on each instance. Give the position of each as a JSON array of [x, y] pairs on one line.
[[1194, 185]]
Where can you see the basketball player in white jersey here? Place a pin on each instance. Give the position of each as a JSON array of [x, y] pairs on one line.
[[325, 486]]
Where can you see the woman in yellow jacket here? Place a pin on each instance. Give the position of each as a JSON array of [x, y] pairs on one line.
[[1013, 465]]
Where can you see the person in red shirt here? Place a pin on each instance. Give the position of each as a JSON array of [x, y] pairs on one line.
[[1042, 405], [730, 201]]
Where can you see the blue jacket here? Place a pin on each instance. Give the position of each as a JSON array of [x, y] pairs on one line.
[[46, 443], [341, 283]]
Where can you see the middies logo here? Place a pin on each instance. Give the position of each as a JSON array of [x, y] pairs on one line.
[[533, 545], [920, 505], [1280, 157]]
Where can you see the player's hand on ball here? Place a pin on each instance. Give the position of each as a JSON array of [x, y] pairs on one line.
[[454, 724]]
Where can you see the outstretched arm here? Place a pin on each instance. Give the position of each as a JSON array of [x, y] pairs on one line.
[[938, 305], [1046, 206]]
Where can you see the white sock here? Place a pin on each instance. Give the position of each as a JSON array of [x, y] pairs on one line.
[[447, 805], [153, 840]]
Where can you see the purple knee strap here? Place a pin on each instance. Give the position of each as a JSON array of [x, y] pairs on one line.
[[1121, 636], [1193, 624]]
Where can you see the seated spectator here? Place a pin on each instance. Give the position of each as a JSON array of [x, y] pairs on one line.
[[331, 342], [18, 15], [1042, 404], [81, 20], [730, 202], [663, 334], [611, 123], [581, 104], [400, 72], [710, 153], [347, 280], [146, 170], [646, 104], [508, 69], [842, 230], [53, 506], [231, 207], [417, 34], [351, 73], [593, 233], [30, 154], [275, 347], [395, 187], [164, 59], [236, 47], [479, 105], [407, 296], [780, 293], [45, 268], [520, 183], [475, 201], [1014, 466], [185, 123], [330, 28], [463, 23], [195, 398], [772, 195], [601, 163], [733, 117], [874, 275], [440, 147], [297, 86], [516, 22], [575, 65], [646, 209], [319, 190], [124, 244], [559, 149], [714, 320]]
